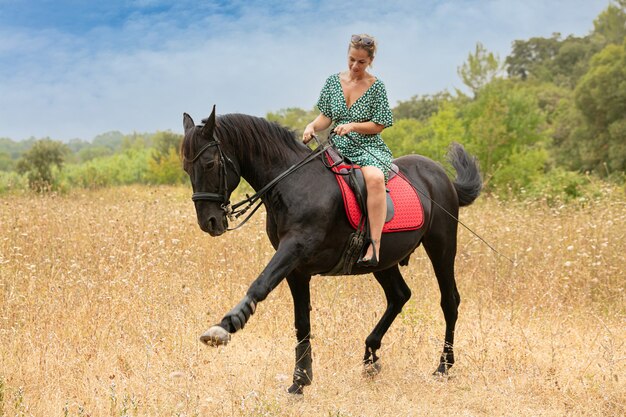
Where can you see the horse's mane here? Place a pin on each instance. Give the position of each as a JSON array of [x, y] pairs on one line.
[[264, 139], [250, 135]]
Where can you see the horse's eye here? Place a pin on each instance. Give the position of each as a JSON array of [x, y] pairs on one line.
[[209, 165]]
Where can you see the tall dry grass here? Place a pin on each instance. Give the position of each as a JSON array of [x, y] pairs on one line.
[[103, 295]]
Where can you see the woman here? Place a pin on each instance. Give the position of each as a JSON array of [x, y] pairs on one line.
[[355, 102]]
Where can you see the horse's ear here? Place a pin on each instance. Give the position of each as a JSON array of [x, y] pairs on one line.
[[188, 122], [209, 124]]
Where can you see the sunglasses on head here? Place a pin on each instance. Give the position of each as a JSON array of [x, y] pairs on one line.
[[364, 40]]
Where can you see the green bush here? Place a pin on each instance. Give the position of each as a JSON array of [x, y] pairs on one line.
[[167, 169], [560, 186], [129, 167], [12, 181], [517, 172], [42, 164], [430, 138]]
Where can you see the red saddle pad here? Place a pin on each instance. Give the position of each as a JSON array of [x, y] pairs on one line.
[[409, 213]]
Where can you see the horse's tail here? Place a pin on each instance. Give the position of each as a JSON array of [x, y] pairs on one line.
[[468, 181]]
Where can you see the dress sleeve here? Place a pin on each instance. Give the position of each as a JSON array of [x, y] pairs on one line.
[[381, 113], [324, 101]]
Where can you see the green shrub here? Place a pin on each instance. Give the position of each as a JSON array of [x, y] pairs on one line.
[[12, 181], [167, 169], [517, 172], [129, 167], [559, 186], [42, 164]]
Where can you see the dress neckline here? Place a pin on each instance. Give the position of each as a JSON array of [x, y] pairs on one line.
[[343, 93]]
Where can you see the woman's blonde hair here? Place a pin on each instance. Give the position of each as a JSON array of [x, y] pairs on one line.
[[364, 41]]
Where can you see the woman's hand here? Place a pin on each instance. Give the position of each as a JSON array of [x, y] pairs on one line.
[[344, 129], [320, 123], [308, 133]]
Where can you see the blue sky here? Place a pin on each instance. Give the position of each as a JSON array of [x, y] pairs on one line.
[[75, 69]]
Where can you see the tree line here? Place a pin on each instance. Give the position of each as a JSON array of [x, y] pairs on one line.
[[547, 120], [110, 159]]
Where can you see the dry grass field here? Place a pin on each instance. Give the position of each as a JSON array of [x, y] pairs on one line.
[[103, 295]]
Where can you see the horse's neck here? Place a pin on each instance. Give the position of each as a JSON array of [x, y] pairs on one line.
[[259, 171]]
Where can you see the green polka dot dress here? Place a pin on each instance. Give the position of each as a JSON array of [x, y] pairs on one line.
[[371, 106]]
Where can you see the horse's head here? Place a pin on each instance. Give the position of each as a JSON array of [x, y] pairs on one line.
[[213, 174]]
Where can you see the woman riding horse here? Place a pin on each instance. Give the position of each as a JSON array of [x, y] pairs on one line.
[[308, 227], [355, 103]]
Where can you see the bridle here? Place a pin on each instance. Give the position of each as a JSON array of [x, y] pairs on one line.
[[222, 196]]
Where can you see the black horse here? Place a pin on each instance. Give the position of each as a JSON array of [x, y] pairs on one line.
[[307, 225]]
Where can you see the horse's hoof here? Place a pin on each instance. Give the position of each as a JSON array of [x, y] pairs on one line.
[[295, 389], [371, 369], [215, 336], [442, 370]]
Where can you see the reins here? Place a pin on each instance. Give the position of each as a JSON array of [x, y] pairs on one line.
[[233, 211]]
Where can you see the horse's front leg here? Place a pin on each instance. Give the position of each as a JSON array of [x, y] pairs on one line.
[[282, 263]]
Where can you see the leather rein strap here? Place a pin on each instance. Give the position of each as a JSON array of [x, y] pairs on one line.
[[234, 211]]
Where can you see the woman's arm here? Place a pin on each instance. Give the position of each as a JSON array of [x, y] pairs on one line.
[[365, 128], [321, 122]]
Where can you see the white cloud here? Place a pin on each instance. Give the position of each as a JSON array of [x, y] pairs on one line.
[[144, 75]]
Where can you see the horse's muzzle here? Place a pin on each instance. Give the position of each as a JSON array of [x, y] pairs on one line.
[[214, 226]]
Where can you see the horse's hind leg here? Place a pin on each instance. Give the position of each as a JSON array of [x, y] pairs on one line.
[[397, 294], [300, 291], [442, 251]]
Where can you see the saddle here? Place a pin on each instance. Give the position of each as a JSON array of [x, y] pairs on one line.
[[404, 209], [356, 181]]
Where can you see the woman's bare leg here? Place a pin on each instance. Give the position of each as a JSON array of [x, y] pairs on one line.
[[376, 206]]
